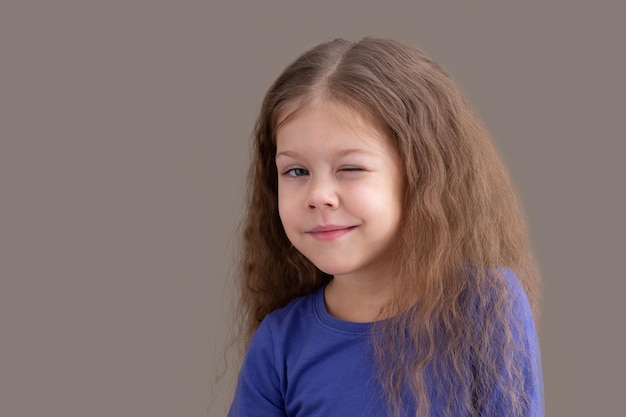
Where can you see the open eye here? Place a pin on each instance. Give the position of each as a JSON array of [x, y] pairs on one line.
[[296, 172]]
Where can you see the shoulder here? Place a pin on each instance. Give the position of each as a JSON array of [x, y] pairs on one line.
[[517, 298], [284, 324], [498, 292], [294, 313]]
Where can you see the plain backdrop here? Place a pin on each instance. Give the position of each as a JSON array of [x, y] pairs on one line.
[[124, 129]]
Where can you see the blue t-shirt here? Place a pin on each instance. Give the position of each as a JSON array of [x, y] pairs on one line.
[[303, 362]]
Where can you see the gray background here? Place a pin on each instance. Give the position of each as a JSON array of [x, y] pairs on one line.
[[124, 133]]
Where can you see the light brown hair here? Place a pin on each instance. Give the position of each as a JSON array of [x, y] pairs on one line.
[[462, 223]]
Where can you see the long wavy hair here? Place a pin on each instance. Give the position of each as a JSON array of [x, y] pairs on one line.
[[462, 222]]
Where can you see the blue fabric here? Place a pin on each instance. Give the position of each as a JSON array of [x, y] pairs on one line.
[[302, 362]]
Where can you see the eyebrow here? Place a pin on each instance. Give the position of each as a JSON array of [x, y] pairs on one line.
[[342, 152]]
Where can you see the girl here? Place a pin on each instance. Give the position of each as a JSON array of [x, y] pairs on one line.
[[386, 266]]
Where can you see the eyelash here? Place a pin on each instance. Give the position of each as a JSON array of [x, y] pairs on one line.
[[291, 172]]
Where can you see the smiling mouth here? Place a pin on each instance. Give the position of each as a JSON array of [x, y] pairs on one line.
[[330, 232]]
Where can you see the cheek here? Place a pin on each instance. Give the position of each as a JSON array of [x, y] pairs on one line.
[[286, 211], [374, 199], [380, 206]]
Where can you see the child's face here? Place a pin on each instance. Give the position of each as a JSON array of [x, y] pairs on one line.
[[339, 191]]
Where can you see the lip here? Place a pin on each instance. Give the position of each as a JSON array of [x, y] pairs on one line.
[[329, 232]]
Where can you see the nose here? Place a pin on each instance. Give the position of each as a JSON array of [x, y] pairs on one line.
[[322, 193]]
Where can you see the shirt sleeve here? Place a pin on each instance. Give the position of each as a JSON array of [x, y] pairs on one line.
[[528, 353], [258, 391]]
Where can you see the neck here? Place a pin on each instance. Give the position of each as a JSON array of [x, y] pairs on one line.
[[356, 300]]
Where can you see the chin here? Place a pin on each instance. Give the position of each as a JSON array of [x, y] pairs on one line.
[[333, 269], [334, 265]]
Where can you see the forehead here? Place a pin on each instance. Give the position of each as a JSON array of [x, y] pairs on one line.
[[329, 120]]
